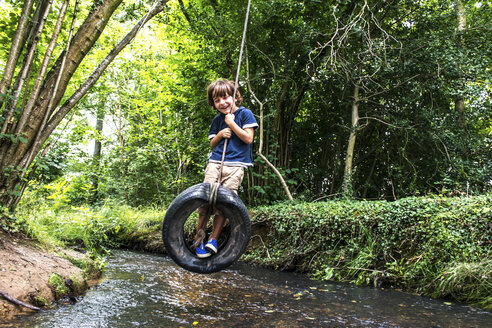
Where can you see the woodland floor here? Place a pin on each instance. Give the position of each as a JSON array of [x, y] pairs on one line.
[[25, 270]]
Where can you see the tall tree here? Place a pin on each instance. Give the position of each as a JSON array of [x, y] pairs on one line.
[[97, 154], [459, 101], [26, 129]]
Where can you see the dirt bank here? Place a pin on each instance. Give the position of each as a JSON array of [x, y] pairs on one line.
[[25, 272]]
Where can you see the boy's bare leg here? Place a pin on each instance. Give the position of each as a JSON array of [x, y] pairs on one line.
[[202, 222], [218, 225]]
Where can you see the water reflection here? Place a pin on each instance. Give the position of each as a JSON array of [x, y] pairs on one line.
[[151, 291]]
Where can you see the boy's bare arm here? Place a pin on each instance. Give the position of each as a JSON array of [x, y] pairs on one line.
[[226, 133], [246, 135]]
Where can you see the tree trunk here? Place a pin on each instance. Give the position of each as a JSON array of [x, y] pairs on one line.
[[269, 164], [459, 101], [347, 189], [286, 113], [121, 143], [40, 17], [260, 147], [96, 155], [369, 176], [16, 48], [280, 125], [16, 155], [42, 71]]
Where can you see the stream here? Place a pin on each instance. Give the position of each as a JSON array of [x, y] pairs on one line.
[[148, 290]]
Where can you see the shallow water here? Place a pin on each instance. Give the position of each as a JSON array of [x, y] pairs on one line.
[[149, 290]]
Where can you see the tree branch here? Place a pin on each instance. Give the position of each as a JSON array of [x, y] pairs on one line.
[[26, 69], [279, 175], [16, 301], [16, 48], [42, 70], [96, 74], [47, 113]]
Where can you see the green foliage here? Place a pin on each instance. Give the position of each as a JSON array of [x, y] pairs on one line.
[[96, 230], [52, 166], [91, 265], [13, 137], [411, 138], [58, 284], [61, 192], [41, 301], [64, 287], [468, 282], [414, 243], [10, 13], [10, 223], [267, 188]]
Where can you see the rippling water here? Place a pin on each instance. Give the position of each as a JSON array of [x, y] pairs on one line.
[[151, 291]]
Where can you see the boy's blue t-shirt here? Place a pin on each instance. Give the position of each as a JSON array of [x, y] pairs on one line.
[[238, 153]]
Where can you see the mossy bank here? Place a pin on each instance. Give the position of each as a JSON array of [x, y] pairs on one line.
[[34, 275], [434, 246]]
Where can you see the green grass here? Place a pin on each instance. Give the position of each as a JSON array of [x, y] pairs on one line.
[[93, 229]]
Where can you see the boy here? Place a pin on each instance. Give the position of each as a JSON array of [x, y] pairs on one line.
[[237, 124]]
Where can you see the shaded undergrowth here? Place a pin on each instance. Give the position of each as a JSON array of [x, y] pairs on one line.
[[430, 245]]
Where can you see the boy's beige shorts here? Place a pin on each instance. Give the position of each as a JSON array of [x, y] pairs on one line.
[[232, 176]]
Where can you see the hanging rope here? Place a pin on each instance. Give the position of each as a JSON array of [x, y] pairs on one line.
[[214, 187], [243, 41]]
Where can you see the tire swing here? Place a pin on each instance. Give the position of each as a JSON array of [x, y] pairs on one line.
[[183, 206], [219, 198]]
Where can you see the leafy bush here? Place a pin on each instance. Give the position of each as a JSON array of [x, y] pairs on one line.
[[412, 243]]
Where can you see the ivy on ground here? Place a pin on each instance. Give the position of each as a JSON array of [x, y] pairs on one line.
[[430, 245]]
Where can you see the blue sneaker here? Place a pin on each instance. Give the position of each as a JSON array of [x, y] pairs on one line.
[[212, 246], [201, 252]]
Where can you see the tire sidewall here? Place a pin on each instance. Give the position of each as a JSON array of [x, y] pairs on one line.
[[179, 211]]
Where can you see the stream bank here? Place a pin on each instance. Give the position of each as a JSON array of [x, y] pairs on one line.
[[432, 246], [34, 275]]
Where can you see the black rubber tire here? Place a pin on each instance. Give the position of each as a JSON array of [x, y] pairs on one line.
[[183, 206]]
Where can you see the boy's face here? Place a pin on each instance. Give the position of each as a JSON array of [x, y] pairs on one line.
[[223, 104]]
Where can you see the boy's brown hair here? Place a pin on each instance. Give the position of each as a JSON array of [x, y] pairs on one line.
[[222, 88]]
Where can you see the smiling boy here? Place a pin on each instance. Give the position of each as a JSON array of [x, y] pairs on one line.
[[237, 124]]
